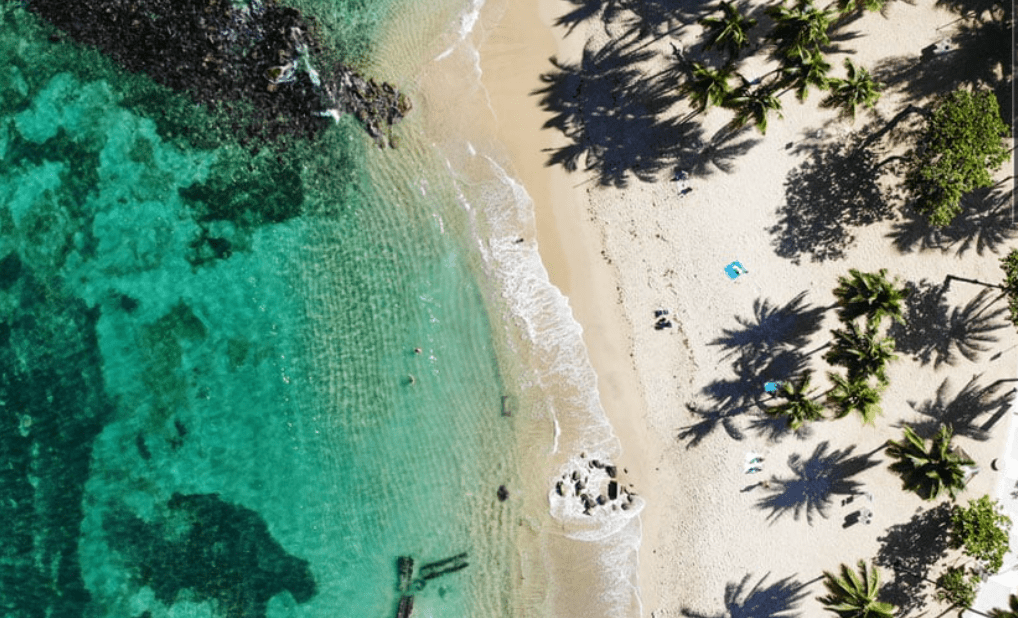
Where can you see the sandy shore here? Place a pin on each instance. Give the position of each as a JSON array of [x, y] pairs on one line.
[[570, 244], [619, 254]]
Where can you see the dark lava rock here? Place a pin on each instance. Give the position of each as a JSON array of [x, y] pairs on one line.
[[503, 493], [611, 470], [231, 54], [559, 489], [613, 490]]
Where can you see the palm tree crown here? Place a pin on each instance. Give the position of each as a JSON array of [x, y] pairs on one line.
[[854, 595], [728, 32], [753, 102], [797, 407], [846, 7], [871, 295], [708, 86], [800, 30], [863, 352], [858, 88], [804, 71], [856, 395], [929, 471]]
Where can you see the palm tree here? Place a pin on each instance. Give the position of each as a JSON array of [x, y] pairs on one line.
[[805, 71], [753, 102], [858, 88], [871, 295], [728, 32], [800, 30], [863, 352], [929, 471], [845, 7], [708, 86], [797, 407], [854, 595], [1011, 612], [856, 395]]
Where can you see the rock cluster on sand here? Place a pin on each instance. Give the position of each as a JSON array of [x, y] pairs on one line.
[[223, 52], [594, 485]]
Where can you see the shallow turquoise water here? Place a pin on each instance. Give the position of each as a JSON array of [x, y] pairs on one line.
[[206, 360]]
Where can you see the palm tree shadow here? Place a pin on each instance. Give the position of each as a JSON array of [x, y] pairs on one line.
[[911, 549], [731, 398], [933, 333], [963, 410], [765, 348], [815, 482], [778, 600], [831, 192], [615, 116], [720, 153], [772, 326], [710, 419], [985, 223]]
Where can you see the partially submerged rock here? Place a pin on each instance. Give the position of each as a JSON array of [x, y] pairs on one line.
[[251, 56]]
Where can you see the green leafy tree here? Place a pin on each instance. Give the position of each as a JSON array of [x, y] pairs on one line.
[[1010, 612], [797, 406], [960, 147], [957, 586], [980, 530], [854, 594], [855, 395], [858, 88], [799, 30], [803, 72], [1009, 264], [754, 103], [862, 351], [707, 86], [928, 471], [871, 295], [728, 32]]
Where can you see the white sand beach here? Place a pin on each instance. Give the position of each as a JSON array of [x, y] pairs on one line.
[[683, 400]]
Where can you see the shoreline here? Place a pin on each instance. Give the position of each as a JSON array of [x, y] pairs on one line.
[[569, 240], [619, 254]]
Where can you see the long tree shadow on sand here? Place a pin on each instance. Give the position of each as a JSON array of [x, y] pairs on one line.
[[985, 223], [830, 193], [963, 411], [934, 333], [643, 16], [765, 346], [772, 327], [815, 482], [910, 550], [616, 117], [780, 599]]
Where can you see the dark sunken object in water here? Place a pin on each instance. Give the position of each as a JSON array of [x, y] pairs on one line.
[[441, 567], [406, 607], [219, 51], [405, 565]]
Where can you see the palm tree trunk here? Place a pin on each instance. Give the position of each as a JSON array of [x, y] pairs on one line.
[[911, 109], [949, 278]]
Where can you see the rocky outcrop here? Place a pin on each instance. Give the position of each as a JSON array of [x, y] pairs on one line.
[[255, 59]]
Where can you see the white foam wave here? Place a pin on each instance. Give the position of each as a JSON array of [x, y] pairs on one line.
[[467, 22]]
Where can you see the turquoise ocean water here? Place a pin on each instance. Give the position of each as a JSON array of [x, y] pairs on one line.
[[210, 398]]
